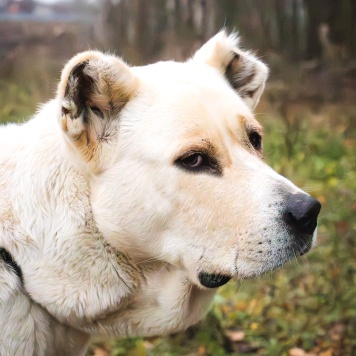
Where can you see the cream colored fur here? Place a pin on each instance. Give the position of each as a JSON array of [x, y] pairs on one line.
[[109, 233]]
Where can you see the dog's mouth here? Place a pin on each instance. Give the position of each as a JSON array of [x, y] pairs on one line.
[[211, 280]]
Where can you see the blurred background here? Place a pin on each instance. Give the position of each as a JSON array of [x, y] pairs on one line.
[[309, 112]]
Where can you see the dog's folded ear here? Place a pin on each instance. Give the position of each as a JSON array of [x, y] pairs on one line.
[[93, 90], [245, 73]]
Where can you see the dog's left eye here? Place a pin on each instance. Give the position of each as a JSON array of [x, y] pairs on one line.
[[255, 140], [198, 162]]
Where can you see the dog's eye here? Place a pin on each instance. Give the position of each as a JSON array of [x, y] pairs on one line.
[[198, 162], [255, 139]]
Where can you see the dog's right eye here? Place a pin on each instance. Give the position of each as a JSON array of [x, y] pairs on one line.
[[198, 162]]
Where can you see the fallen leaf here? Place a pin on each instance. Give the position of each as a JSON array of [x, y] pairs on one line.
[[148, 345], [201, 351], [337, 331], [235, 335], [254, 326], [328, 352], [296, 351], [98, 351]]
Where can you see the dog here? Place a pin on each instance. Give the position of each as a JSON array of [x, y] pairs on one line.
[[129, 198]]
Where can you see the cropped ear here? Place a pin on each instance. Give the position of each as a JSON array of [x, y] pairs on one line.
[[245, 73], [93, 90]]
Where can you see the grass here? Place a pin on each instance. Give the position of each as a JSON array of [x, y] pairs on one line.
[[311, 303]]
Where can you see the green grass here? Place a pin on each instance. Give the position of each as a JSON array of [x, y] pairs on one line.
[[311, 302]]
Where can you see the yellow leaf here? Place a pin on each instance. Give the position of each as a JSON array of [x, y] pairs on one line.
[[241, 304], [201, 350], [254, 326]]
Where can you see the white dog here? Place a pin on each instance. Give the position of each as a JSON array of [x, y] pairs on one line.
[[135, 193]]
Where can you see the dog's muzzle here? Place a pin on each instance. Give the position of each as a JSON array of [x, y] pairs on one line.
[[300, 216]]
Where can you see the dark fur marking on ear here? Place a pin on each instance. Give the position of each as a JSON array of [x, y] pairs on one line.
[[97, 112], [79, 89], [236, 57], [251, 93], [240, 81], [65, 111], [233, 72], [248, 93]]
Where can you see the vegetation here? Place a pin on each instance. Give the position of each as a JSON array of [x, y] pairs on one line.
[[309, 306]]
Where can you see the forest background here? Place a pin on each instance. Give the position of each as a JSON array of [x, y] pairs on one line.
[[309, 114]]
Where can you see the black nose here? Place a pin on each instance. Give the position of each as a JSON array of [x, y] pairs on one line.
[[302, 213]]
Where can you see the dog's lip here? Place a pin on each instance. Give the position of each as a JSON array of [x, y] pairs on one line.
[[213, 280]]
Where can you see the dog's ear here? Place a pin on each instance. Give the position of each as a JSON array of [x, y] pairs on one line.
[[245, 73], [93, 90]]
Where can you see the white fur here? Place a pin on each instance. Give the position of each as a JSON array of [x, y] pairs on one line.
[[110, 235]]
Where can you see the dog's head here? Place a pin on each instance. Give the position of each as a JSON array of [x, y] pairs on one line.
[[174, 156]]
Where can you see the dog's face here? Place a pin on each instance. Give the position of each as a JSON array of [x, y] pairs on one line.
[[176, 163]]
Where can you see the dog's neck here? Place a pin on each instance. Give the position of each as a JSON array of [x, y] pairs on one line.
[[165, 303]]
